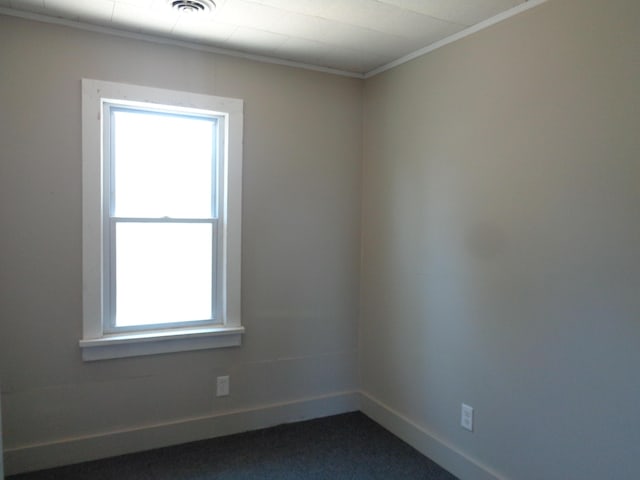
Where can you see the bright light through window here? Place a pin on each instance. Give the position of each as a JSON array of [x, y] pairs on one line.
[[163, 179], [163, 165], [163, 273]]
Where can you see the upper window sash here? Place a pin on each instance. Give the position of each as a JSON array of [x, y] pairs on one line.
[[123, 165]]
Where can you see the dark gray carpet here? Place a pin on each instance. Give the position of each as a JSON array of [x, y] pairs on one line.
[[349, 446]]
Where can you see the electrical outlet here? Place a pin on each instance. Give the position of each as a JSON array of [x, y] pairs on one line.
[[466, 417], [222, 386]]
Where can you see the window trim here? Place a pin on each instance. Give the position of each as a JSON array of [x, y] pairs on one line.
[[96, 344]]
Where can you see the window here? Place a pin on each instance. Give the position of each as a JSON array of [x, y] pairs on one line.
[[161, 220]]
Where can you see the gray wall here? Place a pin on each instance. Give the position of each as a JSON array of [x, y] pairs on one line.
[[1, 448], [300, 238], [501, 252]]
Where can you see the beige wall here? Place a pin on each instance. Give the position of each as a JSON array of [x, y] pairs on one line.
[[501, 252], [300, 239]]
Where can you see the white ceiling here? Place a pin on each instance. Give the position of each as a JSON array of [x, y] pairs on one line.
[[355, 36]]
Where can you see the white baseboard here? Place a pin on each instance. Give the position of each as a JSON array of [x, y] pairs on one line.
[[84, 448], [108, 444], [444, 454]]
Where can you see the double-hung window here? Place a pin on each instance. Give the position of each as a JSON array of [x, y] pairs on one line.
[[161, 220]]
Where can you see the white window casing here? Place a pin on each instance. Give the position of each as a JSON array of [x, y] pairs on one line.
[[100, 340]]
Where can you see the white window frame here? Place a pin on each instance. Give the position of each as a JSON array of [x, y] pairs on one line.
[[111, 220], [97, 341]]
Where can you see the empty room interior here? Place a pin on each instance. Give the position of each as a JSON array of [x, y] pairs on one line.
[[401, 235]]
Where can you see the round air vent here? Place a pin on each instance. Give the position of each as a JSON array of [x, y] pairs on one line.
[[192, 6]]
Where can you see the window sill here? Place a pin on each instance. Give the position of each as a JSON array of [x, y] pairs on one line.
[[165, 341]]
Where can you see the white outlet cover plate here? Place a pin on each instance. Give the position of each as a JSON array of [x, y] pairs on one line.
[[466, 417], [222, 386]]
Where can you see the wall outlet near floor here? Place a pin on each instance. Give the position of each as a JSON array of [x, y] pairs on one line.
[[222, 386], [466, 417]]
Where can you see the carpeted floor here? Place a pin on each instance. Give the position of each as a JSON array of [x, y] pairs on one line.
[[349, 446]]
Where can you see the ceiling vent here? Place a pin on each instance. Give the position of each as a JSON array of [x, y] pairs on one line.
[[193, 6]]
